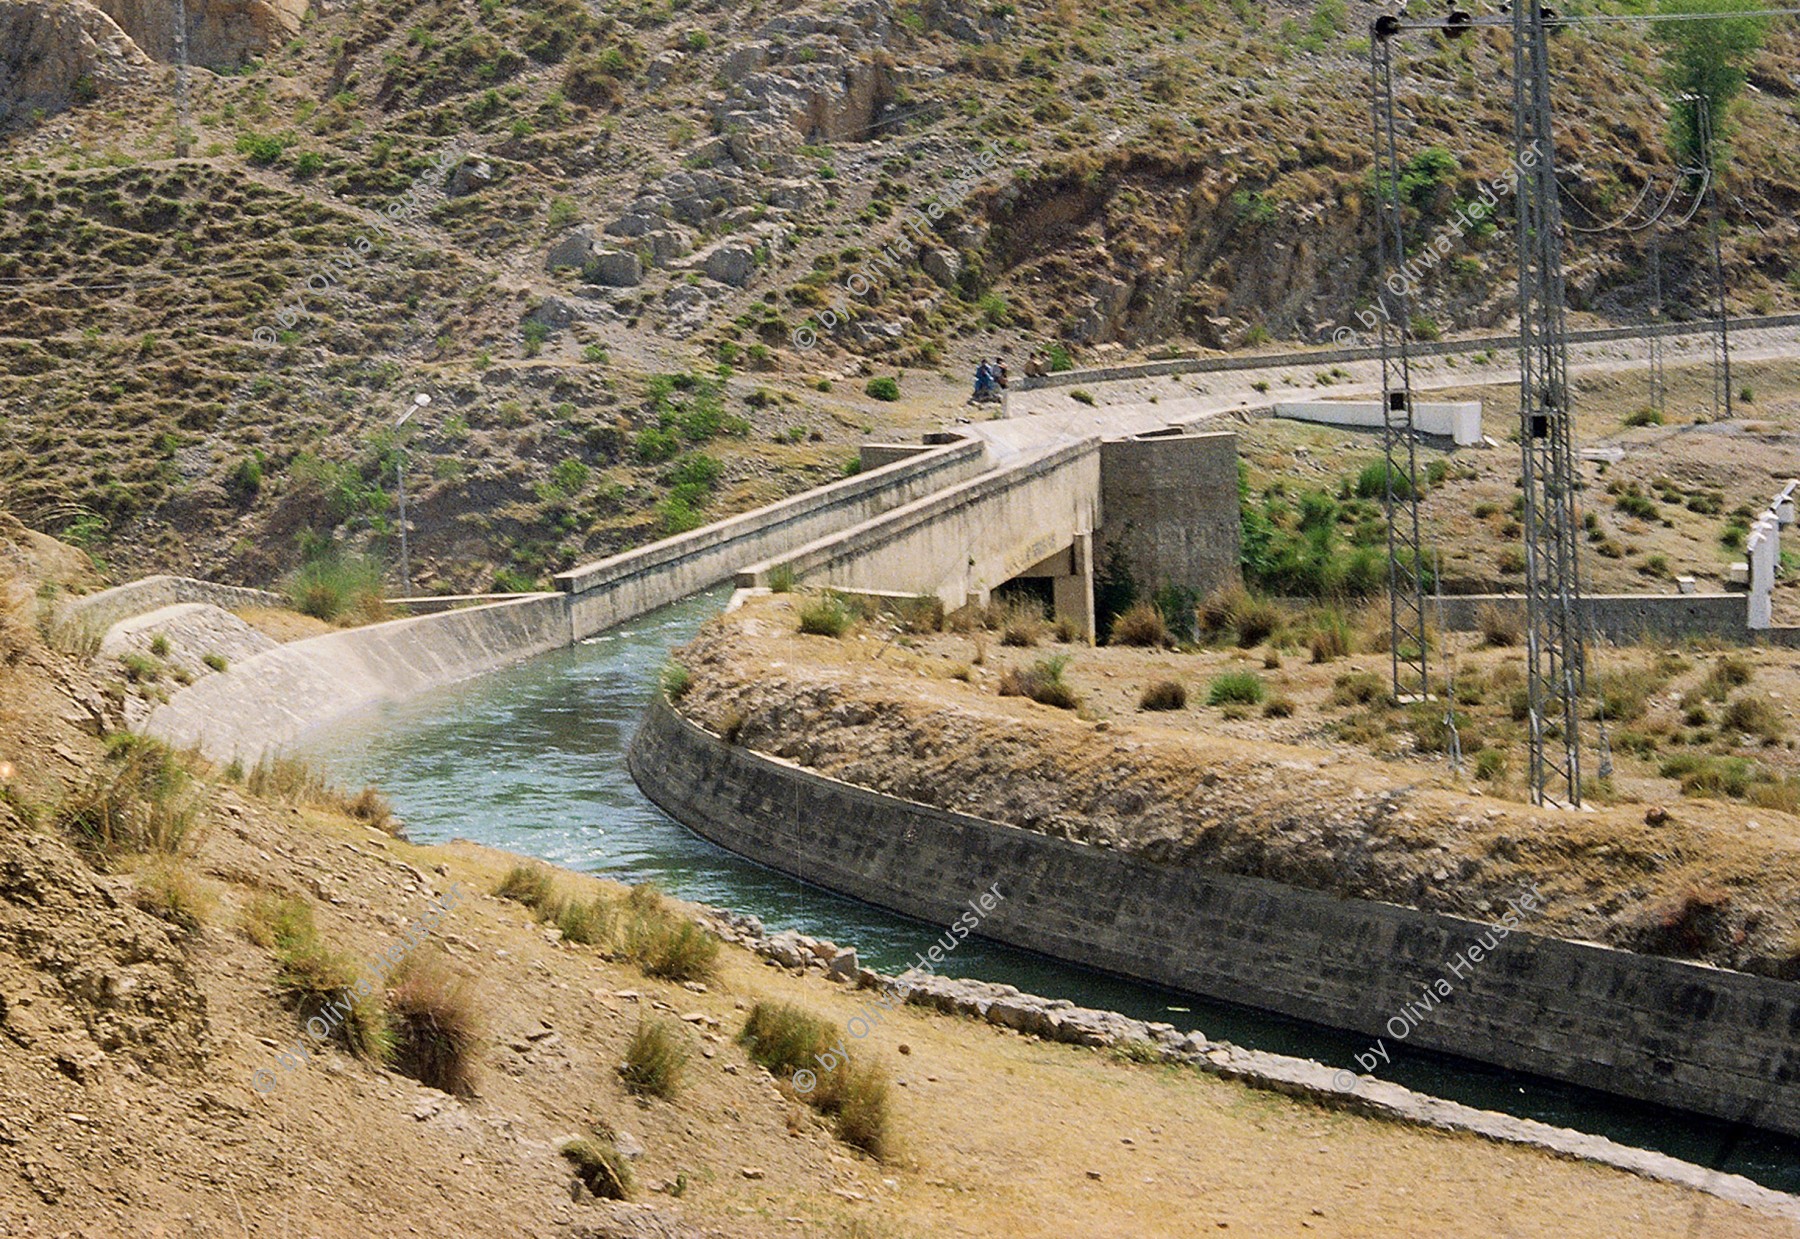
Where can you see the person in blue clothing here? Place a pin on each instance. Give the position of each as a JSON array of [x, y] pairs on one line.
[[984, 381]]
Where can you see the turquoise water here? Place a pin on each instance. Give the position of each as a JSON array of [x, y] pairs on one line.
[[531, 759]]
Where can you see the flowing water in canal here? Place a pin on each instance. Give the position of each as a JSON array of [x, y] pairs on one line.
[[532, 759]]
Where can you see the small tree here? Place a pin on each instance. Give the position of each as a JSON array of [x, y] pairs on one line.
[[1704, 59]]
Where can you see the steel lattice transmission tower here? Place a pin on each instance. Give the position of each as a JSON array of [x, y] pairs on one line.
[[1399, 445], [181, 80], [1554, 632], [1721, 335]]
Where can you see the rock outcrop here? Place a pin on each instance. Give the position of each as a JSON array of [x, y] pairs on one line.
[[57, 52], [220, 33]]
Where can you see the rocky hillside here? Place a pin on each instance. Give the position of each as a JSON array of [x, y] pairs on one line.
[[644, 258]]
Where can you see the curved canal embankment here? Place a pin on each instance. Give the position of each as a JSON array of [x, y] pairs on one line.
[[1683, 1035]]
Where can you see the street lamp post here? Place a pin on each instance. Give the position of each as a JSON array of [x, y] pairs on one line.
[[419, 402]]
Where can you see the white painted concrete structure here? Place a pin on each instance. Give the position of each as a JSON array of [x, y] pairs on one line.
[[1458, 420]]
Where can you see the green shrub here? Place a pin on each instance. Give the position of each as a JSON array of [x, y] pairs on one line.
[[1042, 682], [882, 388], [1372, 482], [1278, 706], [215, 661], [529, 883], [1082, 395], [1060, 359], [337, 587], [1235, 688], [1490, 764], [261, 149], [1644, 417], [1755, 716], [654, 444], [676, 680], [655, 1059], [825, 616], [1164, 695], [781, 579]]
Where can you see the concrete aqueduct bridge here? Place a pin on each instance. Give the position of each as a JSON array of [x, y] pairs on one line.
[[1165, 501], [942, 518]]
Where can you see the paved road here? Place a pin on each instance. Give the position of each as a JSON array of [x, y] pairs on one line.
[[1046, 418]]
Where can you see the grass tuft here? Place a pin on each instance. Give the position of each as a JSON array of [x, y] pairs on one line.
[[600, 1166], [1243, 688], [141, 799], [339, 589], [825, 616], [1164, 695], [783, 1038], [655, 1059], [1142, 624], [1042, 682], [435, 1027]]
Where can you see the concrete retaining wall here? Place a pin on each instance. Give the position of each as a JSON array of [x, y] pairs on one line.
[[959, 543], [628, 585], [1620, 617], [265, 702], [1507, 344], [1459, 420], [1720, 1043], [99, 612]]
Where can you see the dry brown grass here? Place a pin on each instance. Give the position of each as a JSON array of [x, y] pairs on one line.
[[1142, 625], [436, 1025]]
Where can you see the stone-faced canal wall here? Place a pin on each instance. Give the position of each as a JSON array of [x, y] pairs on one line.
[[1708, 1040]]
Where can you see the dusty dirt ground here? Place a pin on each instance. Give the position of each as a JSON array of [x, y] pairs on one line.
[[1332, 794], [130, 1045]]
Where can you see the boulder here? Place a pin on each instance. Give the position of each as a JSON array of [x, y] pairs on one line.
[[943, 266], [470, 176], [574, 250], [732, 263], [616, 269]]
